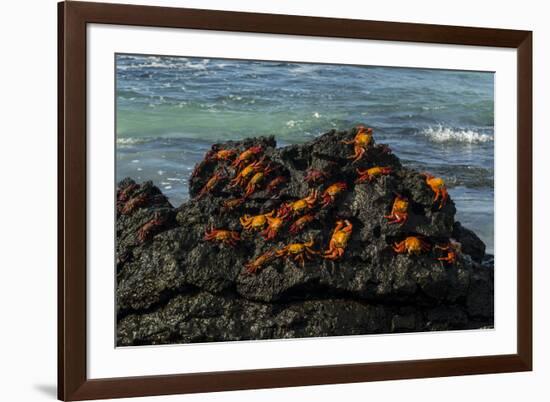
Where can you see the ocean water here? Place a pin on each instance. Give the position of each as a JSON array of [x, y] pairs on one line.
[[171, 109]]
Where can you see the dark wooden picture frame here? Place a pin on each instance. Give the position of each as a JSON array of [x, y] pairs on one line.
[[73, 383]]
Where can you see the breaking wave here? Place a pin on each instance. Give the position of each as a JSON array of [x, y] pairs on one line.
[[446, 134]]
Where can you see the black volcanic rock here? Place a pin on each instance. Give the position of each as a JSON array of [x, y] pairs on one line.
[[175, 287]]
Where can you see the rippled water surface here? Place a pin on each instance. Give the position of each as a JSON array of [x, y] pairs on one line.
[[171, 109]]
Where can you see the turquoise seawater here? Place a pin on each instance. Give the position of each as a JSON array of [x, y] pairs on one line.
[[171, 109]]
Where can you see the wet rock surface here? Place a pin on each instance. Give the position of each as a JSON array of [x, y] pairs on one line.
[[175, 287]]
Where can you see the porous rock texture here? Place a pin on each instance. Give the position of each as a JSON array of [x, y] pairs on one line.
[[175, 287]]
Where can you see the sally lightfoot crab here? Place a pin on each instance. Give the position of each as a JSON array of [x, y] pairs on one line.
[[151, 227], [256, 222], [274, 224], [297, 207], [330, 194], [299, 252], [412, 245], [241, 178], [370, 174], [222, 155], [399, 211], [228, 237], [247, 156], [452, 249], [437, 184], [339, 240], [211, 184], [254, 265], [315, 176], [256, 180], [361, 142], [134, 203], [300, 223]]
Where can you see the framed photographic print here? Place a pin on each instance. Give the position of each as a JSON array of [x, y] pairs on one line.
[[253, 200]]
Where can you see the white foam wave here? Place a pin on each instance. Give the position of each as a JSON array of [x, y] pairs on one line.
[[131, 140], [446, 134]]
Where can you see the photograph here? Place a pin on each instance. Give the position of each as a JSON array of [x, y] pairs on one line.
[[261, 200]]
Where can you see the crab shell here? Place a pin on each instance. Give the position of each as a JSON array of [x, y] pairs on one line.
[[411, 245], [332, 191], [399, 210], [254, 222], [300, 205], [225, 236], [339, 240], [437, 184], [247, 155], [299, 252], [273, 227], [370, 174], [254, 265]]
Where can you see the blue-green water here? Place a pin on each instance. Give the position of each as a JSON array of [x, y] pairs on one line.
[[171, 109]]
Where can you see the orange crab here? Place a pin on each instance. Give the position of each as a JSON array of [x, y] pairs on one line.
[[255, 181], [254, 265], [243, 175], [452, 248], [412, 245], [274, 224], [247, 155], [301, 223], [437, 184], [134, 203], [256, 222], [296, 207], [298, 252], [150, 227], [370, 174], [399, 210], [362, 140], [221, 155], [224, 236], [339, 240], [329, 195], [210, 184]]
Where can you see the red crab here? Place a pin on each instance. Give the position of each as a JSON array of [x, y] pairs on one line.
[[412, 245], [275, 183], [224, 236], [210, 184], [150, 227], [221, 155], [437, 184], [329, 195], [362, 140], [370, 174], [315, 176], [247, 155], [301, 223], [399, 211], [452, 248], [297, 207], [134, 203], [124, 193], [255, 181], [339, 240], [241, 178], [254, 265], [274, 224]]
